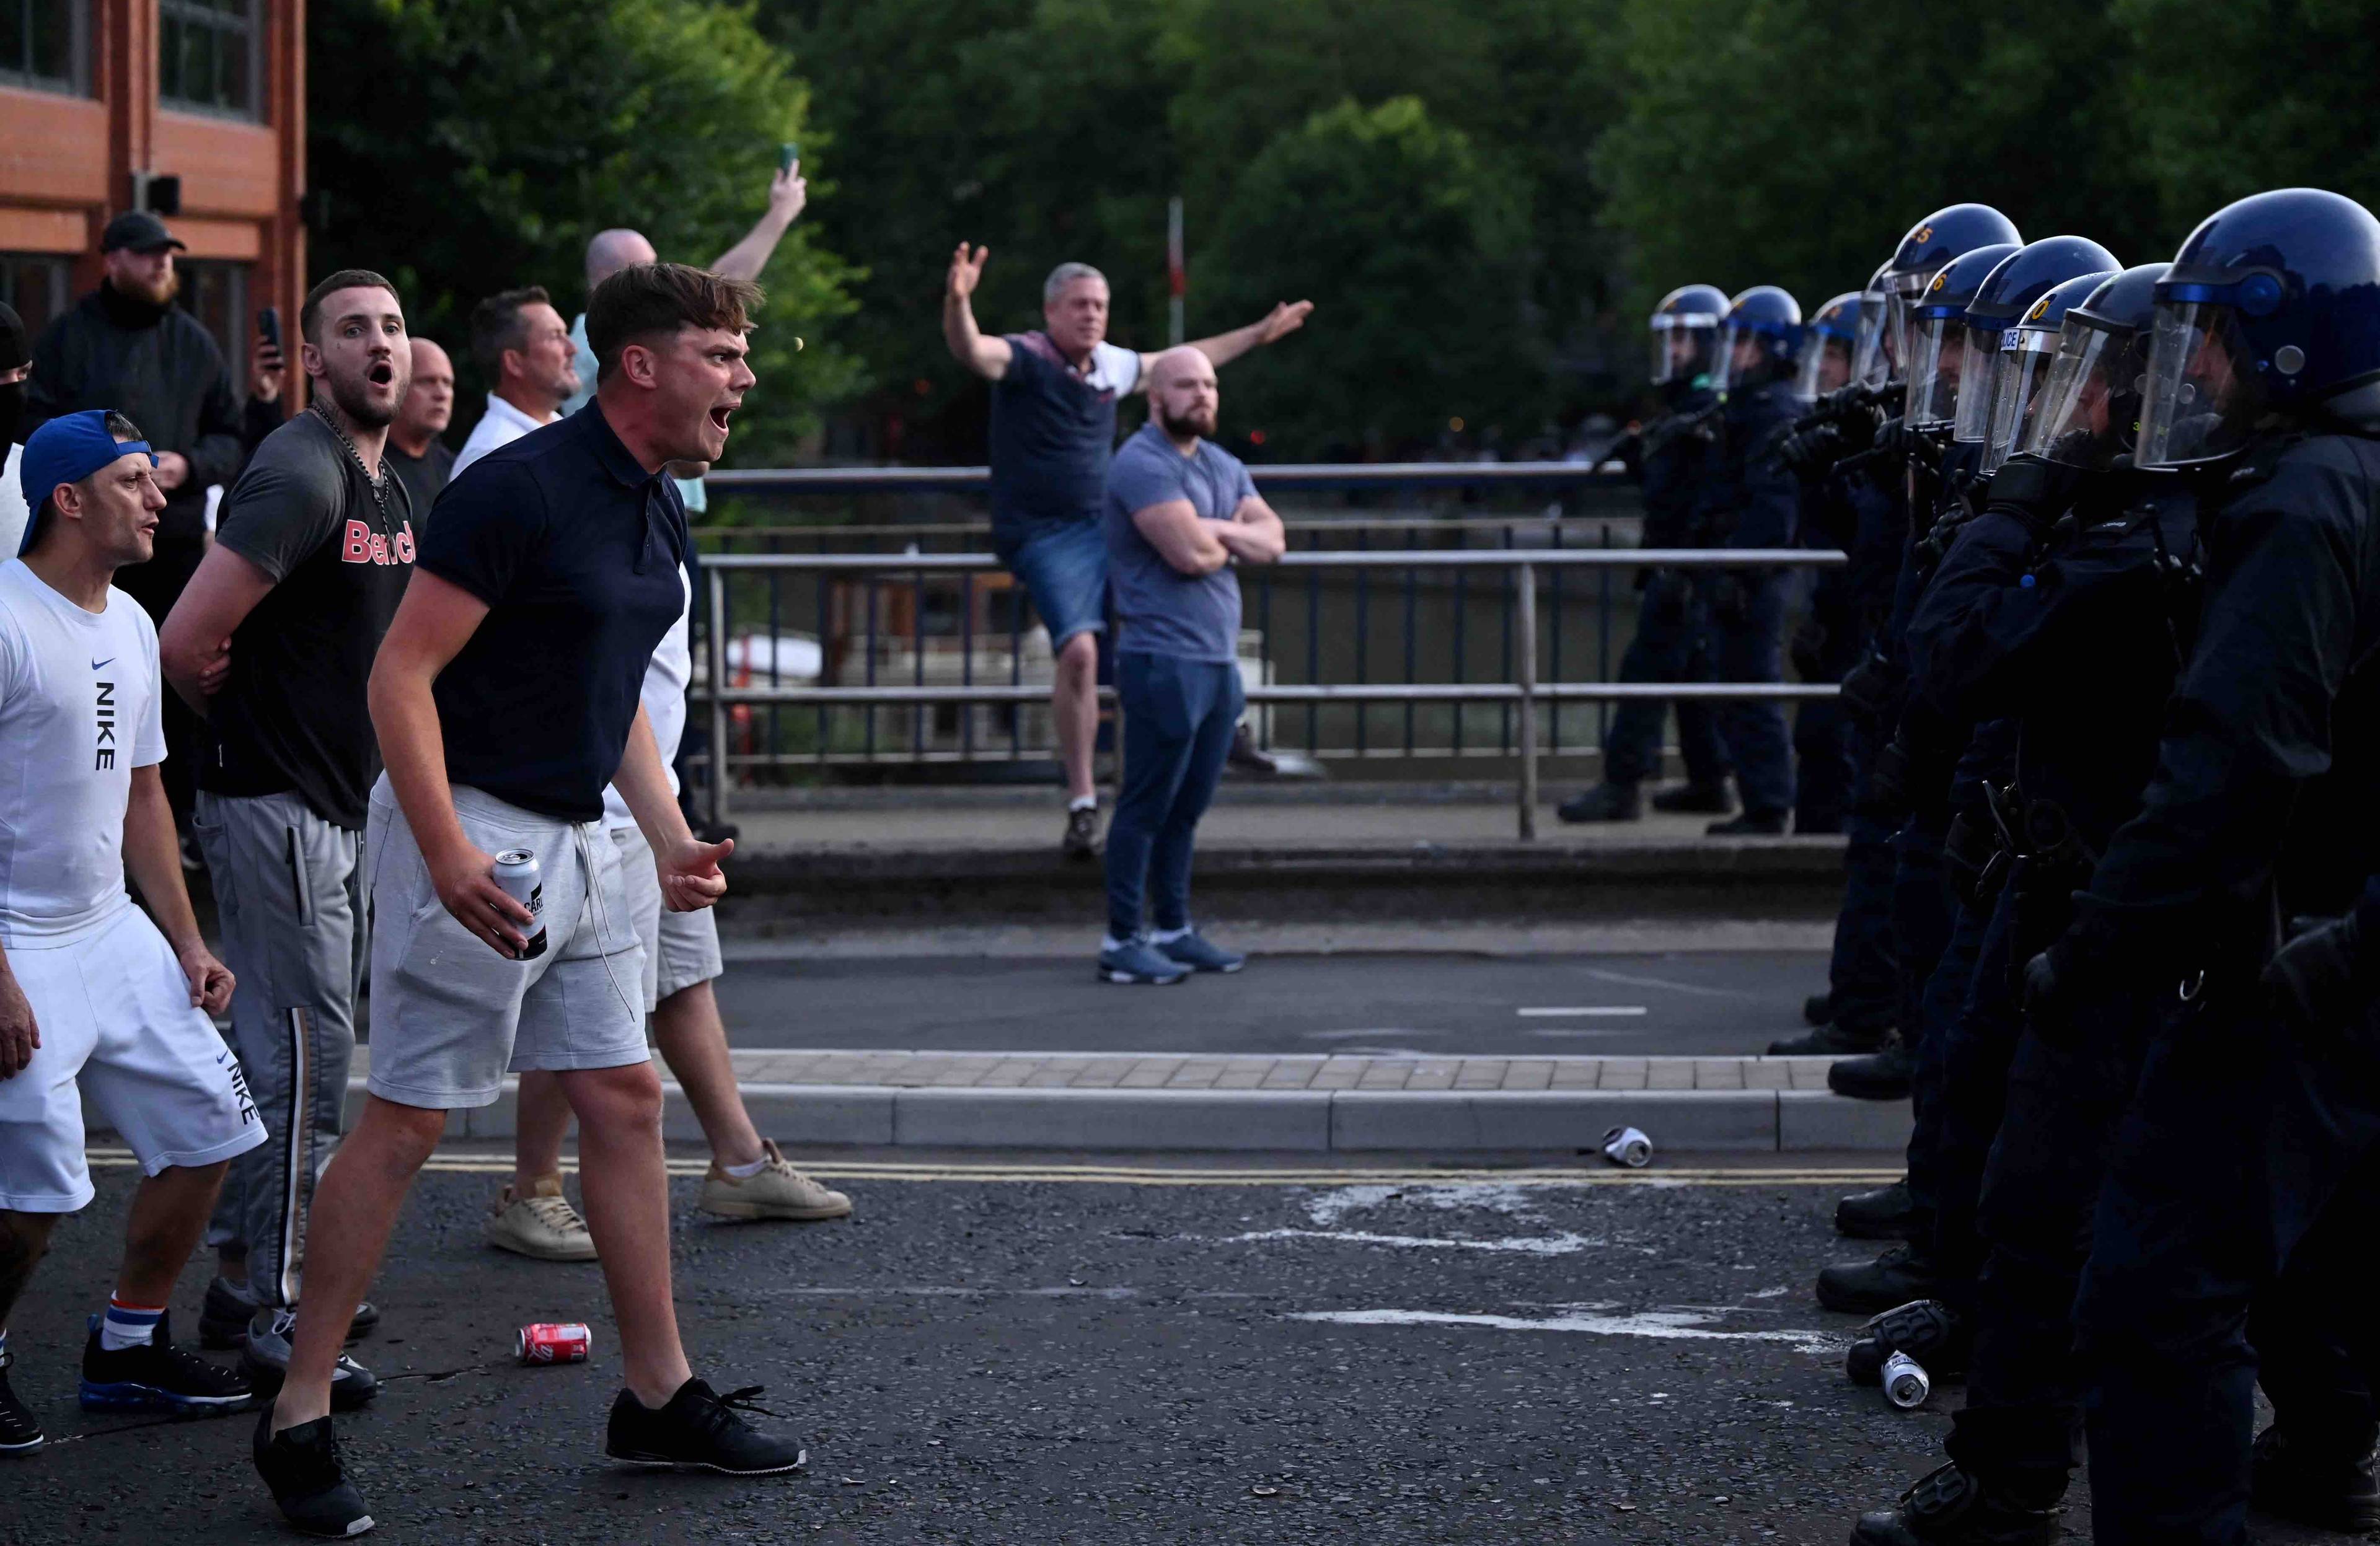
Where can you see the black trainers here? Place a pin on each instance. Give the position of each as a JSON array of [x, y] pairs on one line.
[[699, 1429], [1899, 1275], [19, 1430], [1832, 1040], [1711, 798], [1949, 1507], [264, 1359], [156, 1376], [301, 1467], [2331, 1491], [1927, 1330], [1751, 824], [1246, 757], [1081, 841], [1886, 1214], [223, 1320], [1876, 1076], [1605, 802]]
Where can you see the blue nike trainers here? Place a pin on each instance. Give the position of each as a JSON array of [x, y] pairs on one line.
[[1198, 953], [1137, 961], [156, 1376]]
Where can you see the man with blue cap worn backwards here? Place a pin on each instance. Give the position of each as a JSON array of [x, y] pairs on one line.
[[96, 1001]]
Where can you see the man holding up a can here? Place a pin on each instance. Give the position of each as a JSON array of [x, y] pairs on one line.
[[506, 697]]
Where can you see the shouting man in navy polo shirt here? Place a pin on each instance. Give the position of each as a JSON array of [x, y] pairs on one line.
[[506, 695], [1053, 424]]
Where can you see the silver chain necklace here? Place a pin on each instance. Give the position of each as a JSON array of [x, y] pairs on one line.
[[378, 486]]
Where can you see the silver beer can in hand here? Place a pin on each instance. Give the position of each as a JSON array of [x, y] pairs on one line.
[[1905, 1384], [517, 873], [1629, 1147]]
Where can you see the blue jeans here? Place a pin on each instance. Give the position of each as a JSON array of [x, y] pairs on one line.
[[1177, 729], [1065, 568]]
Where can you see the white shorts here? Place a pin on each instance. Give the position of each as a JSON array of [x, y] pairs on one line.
[[681, 949], [117, 1026], [449, 1016]]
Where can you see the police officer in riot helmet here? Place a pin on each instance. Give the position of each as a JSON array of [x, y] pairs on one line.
[[1676, 462], [2242, 1172], [1824, 646], [1756, 504]]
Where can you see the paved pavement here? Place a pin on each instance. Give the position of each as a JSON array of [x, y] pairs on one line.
[[1412, 1001], [1003, 1350]]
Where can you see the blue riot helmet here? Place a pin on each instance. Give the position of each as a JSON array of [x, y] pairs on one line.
[[2272, 305], [2088, 411], [1759, 339], [1686, 332], [2005, 295], [2028, 350], [1935, 336], [1873, 362], [1931, 244], [1830, 345]]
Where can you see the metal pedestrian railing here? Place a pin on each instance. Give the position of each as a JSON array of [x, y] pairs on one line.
[[923, 657]]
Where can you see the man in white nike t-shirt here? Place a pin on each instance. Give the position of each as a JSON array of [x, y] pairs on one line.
[[96, 1000], [749, 1176]]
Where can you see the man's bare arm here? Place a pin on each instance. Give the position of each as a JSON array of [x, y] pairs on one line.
[[194, 646], [787, 194], [152, 857], [688, 867], [1254, 534], [987, 358], [1285, 318], [433, 623], [1181, 537]]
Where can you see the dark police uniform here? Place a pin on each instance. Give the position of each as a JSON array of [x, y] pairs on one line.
[[1755, 502]]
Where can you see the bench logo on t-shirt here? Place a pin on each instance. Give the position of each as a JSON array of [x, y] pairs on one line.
[[364, 545], [103, 750]]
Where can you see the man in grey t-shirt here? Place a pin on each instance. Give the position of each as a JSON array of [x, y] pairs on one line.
[[1179, 512]]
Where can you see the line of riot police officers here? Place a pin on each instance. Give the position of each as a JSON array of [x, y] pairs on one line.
[[2109, 647]]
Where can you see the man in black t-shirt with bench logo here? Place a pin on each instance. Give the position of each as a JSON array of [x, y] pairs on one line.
[[273, 641]]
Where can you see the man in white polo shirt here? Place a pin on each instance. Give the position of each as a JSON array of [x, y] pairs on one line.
[[523, 349]]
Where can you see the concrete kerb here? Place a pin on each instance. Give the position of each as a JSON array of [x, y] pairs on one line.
[[1754, 1120]]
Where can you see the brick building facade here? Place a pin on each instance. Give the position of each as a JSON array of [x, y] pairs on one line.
[[106, 104]]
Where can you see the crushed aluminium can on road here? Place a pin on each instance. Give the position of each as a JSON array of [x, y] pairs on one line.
[[566, 1342], [1905, 1383], [1627, 1146]]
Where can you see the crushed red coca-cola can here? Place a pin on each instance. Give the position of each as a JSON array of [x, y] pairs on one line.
[[553, 1343]]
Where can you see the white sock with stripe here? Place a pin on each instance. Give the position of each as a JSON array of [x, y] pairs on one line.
[[129, 1326]]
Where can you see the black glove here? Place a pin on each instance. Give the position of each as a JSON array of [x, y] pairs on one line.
[[2048, 995], [1870, 687], [2317, 983]]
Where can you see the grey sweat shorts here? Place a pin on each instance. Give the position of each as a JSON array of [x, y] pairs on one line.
[[681, 949], [449, 1016]]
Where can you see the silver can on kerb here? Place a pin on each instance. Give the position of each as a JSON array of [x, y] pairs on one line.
[[517, 873], [1627, 1146], [1905, 1383]]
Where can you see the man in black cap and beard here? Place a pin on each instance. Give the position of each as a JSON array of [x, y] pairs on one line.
[[126, 347], [16, 363]]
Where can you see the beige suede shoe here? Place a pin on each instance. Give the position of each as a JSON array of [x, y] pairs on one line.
[[778, 1192], [542, 1224]]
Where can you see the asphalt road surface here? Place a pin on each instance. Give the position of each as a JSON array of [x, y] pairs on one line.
[[1691, 1003], [989, 1355]]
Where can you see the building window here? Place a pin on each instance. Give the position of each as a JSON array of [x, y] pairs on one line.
[[36, 286], [210, 53], [43, 43], [216, 294]]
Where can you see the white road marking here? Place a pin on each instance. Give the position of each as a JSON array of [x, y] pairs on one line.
[[1555, 1012], [1327, 1209], [1562, 1244], [1667, 1324]]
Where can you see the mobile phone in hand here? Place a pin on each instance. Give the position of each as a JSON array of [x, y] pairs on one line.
[[268, 325], [787, 153]]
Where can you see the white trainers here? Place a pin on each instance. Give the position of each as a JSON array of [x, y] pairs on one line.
[[542, 1224], [778, 1192]]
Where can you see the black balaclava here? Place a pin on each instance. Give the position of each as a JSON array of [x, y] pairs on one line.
[[15, 350]]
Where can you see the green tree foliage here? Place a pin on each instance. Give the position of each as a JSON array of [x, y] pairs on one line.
[[1418, 241], [467, 148]]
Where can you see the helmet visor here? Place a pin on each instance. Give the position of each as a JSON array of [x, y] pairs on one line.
[[1936, 355], [2204, 392], [2025, 358], [2089, 410], [1681, 346], [1978, 366], [1873, 357], [1826, 364], [1902, 291]]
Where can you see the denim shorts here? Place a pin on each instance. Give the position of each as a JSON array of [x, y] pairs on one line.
[[1065, 572]]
